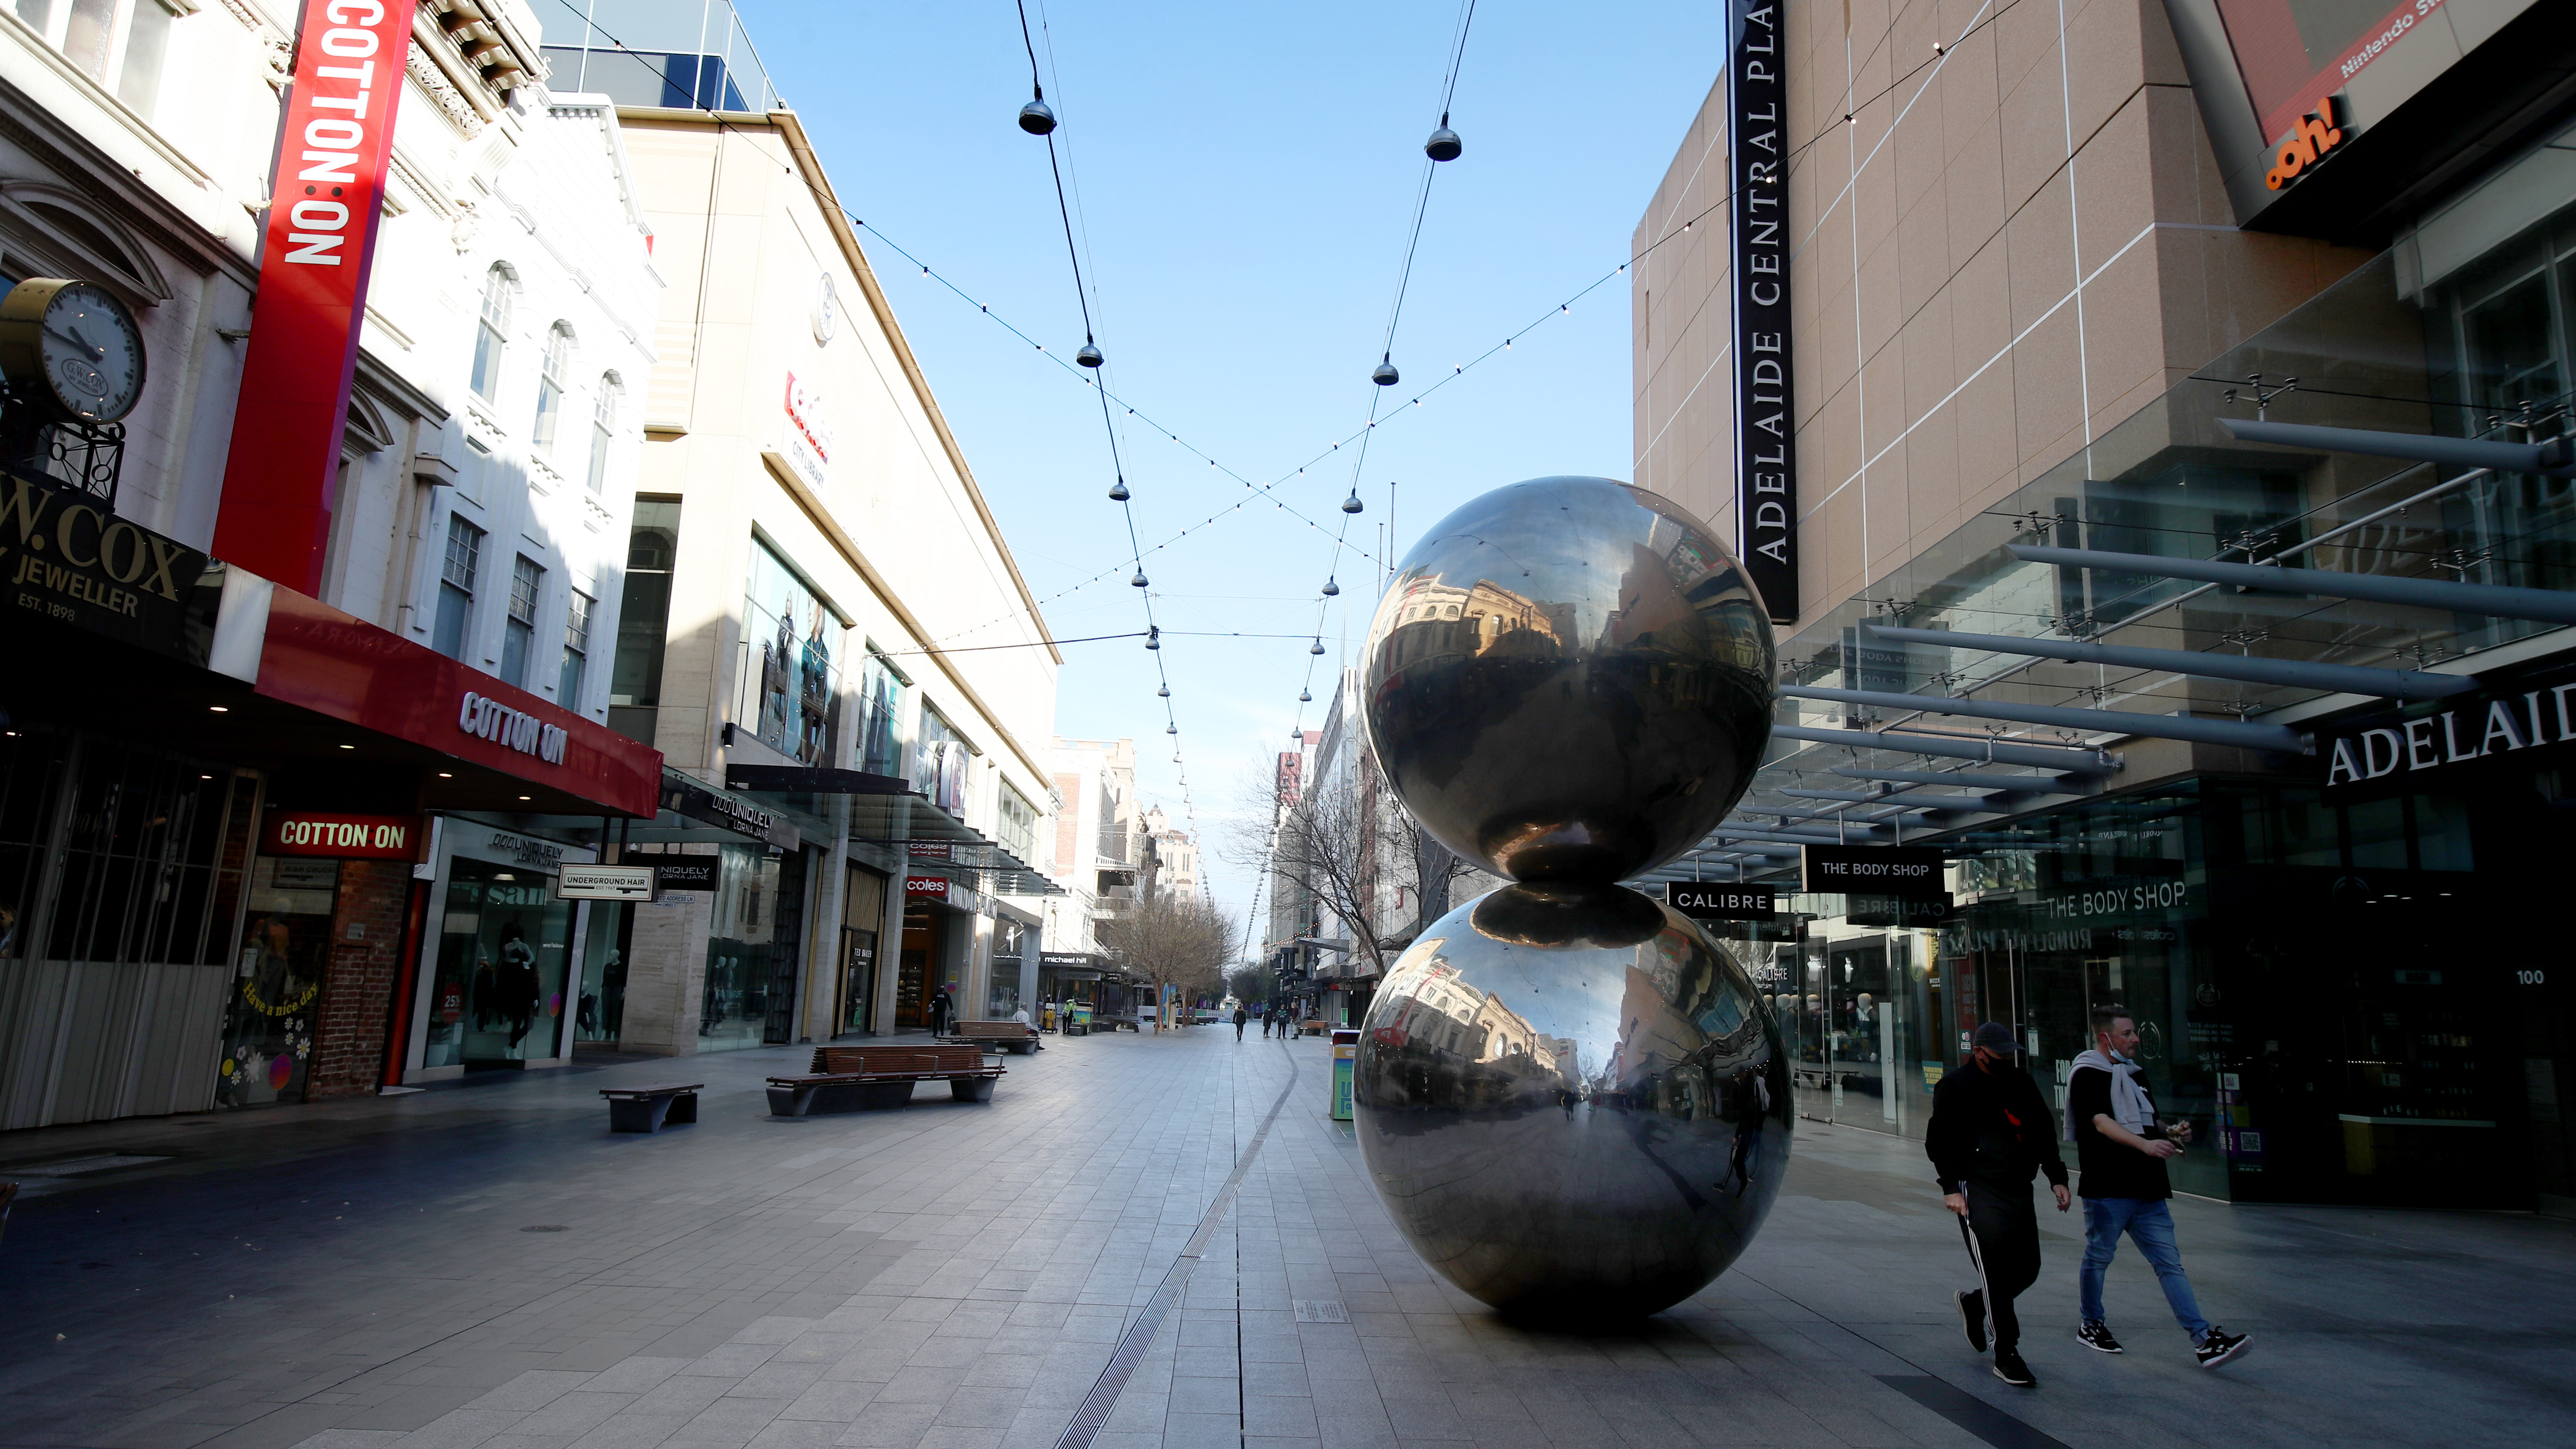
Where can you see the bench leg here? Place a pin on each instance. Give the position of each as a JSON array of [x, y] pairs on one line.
[[627, 1115], [684, 1108], [783, 1101], [877, 1096], [972, 1089]]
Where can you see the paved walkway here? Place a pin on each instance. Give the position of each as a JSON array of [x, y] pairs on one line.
[[486, 1268]]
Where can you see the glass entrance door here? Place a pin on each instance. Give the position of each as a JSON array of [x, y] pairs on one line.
[[497, 997]]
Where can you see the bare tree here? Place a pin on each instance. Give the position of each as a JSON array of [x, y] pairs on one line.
[[1344, 844], [1171, 940]]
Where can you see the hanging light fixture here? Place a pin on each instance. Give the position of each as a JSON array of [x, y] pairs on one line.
[[1089, 356], [1139, 580], [1331, 588], [1319, 645], [1304, 698], [1035, 118], [1352, 504], [1118, 491], [1384, 374], [1153, 636], [1171, 729], [1444, 144], [1163, 693]]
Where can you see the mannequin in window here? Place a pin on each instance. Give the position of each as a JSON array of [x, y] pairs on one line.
[[517, 979]]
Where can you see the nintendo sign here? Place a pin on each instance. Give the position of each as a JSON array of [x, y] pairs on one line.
[[343, 837]]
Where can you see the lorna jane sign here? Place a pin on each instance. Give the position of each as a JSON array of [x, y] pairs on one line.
[[319, 246], [487, 718], [1766, 462], [343, 837]]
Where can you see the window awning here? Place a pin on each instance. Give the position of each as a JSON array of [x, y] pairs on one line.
[[886, 810]]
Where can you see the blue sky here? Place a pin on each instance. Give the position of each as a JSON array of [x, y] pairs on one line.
[[1245, 179]]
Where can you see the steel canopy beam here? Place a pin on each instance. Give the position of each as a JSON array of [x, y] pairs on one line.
[[2500, 601], [2016, 784], [2280, 739], [2552, 457], [1997, 752], [2289, 673], [1906, 798]]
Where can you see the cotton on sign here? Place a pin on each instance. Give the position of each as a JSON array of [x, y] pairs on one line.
[[314, 263]]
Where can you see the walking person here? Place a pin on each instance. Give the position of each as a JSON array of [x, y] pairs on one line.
[[2122, 1149], [1240, 1017], [943, 1011], [1990, 1134]]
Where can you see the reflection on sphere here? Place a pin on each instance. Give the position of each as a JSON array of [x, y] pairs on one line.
[[1569, 679], [1573, 1102]]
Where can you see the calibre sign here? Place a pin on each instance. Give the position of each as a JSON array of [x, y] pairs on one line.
[[1712, 902], [1766, 465]]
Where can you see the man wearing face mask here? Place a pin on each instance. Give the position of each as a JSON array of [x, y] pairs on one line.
[[2122, 1150], [1990, 1134]]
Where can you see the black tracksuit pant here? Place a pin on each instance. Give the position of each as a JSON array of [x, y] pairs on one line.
[[2002, 1229]]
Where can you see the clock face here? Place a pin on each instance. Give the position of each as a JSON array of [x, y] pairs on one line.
[[92, 354]]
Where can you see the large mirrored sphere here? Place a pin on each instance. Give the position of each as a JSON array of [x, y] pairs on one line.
[[1573, 1102], [1569, 679]]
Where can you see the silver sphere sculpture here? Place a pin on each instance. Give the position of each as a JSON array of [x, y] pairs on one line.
[[1572, 1100], [1569, 679]]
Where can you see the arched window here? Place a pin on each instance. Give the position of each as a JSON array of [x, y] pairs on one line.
[[550, 385], [492, 333], [603, 427]]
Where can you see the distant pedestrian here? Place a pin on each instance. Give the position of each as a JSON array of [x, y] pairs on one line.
[[943, 1011], [1240, 1017], [2122, 1150], [1990, 1134]]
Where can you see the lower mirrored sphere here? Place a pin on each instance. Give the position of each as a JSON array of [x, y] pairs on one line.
[[1573, 1102]]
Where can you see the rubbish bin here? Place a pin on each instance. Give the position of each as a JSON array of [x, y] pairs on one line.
[[1346, 1053]]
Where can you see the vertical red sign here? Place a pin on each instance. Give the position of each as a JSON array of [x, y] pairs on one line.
[[321, 242]]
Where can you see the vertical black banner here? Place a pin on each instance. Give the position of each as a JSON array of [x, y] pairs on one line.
[[1766, 467]]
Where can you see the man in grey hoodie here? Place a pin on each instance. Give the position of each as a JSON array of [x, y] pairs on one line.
[[2121, 1150]]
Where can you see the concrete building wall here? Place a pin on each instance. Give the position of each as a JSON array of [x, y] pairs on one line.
[[2009, 246]]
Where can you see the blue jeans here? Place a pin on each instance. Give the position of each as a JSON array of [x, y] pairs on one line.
[[2149, 1223]]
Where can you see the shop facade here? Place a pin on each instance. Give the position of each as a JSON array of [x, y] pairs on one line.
[[2292, 819]]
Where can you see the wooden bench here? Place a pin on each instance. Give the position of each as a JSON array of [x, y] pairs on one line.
[[1010, 1036], [646, 1109], [1313, 1028], [866, 1078]]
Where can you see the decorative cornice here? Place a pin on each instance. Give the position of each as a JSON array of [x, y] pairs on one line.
[[442, 92], [204, 250]]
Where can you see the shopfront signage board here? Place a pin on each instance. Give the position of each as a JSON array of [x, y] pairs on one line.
[[350, 61], [1710, 901], [2520, 723], [685, 797], [930, 849], [1873, 870], [686, 872], [604, 883], [928, 887], [1758, 145], [66, 557], [1925, 911], [340, 837]]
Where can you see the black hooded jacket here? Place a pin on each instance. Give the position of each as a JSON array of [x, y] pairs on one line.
[[1991, 1125]]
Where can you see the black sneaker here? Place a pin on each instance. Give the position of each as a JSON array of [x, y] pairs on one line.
[[1972, 1317], [2010, 1368], [2096, 1335], [2218, 1346]]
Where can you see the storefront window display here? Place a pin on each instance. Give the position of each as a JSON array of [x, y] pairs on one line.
[[754, 946], [1002, 979], [862, 907], [277, 985], [599, 1011], [796, 638], [881, 705], [497, 996]]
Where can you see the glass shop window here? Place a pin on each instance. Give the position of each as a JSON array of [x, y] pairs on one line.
[[497, 994], [793, 643]]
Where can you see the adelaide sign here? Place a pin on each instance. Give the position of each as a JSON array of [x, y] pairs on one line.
[[2489, 725], [1766, 462], [319, 246]]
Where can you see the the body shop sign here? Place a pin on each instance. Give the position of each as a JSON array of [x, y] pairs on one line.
[[319, 246], [342, 837]]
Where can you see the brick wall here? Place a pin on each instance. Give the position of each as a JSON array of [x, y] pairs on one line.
[[366, 942]]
